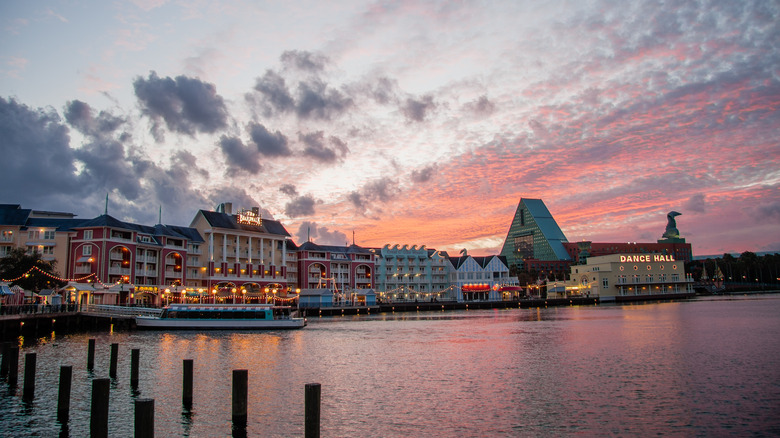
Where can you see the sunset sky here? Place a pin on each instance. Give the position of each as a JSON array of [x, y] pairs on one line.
[[419, 123]]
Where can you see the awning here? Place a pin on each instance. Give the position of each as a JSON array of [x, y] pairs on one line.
[[84, 259], [47, 292], [5, 290]]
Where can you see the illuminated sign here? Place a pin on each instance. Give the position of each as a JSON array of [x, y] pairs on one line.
[[248, 217], [646, 258]]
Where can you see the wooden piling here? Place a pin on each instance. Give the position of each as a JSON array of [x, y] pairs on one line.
[[91, 355], [240, 396], [186, 392], [6, 347], [114, 357], [144, 418], [63, 398], [135, 356], [28, 393], [312, 410], [98, 420], [13, 365]]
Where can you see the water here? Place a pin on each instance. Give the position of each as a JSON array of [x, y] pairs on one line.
[[693, 368]]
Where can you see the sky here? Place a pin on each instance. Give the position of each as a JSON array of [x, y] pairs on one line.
[[409, 122]]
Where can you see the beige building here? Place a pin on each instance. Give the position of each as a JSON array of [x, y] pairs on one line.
[[242, 253], [46, 232], [627, 277]]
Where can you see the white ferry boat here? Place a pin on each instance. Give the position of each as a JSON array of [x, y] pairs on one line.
[[222, 316]]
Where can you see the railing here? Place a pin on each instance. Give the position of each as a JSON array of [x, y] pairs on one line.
[[32, 309], [107, 309]]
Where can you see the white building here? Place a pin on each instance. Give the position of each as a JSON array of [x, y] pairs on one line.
[[408, 274], [480, 278]]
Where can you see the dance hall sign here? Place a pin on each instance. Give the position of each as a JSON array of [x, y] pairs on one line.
[[646, 258]]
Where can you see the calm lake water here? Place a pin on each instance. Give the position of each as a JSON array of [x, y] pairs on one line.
[[705, 367]]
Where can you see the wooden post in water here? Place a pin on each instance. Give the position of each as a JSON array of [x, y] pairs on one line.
[[312, 410], [135, 356], [63, 398], [186, 392], [112, 367], [28, 393], [4, 364], [98, 420], [91, 355], [144, 418], [240, 395], [13, 365]]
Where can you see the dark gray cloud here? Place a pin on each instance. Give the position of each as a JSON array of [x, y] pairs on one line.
[[288, 189], [374, 192], [320, 235], [480, 107], [187, 105], [277, 97], [696, 203], [315, 147], [300, 206], [80, 115], [303, 60], [107, 165], [269, 144], [239, 156], [36, 150], [424, 174], [769, 212], [417, 110], [38, 162], [317, 101]]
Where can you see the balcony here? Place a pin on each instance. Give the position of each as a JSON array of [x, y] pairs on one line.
[[82, 269], [118, 271]]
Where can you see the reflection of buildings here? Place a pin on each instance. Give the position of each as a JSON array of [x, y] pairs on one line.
[[625, 277], [535, 243]]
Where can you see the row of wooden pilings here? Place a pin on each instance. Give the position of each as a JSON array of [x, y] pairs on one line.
[[144, 408]]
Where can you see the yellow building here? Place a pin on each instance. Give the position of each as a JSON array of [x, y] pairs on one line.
[[629, 277], [244, 255]]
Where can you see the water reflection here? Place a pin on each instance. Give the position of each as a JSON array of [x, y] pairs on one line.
[[688, 368]]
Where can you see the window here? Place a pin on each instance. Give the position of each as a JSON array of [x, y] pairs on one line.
[[33, 235], [4, 250], [87, 234], [8, 235], [48, 250], [86, 250], [605, 282], [49, 235]]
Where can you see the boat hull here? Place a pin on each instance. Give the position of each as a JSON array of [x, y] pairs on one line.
[[152, 323]]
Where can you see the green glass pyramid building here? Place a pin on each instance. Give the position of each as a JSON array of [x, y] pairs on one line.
[[534, 234]]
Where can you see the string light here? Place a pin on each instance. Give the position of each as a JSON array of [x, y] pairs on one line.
[[35, 268]]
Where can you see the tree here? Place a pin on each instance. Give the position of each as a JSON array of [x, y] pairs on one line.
[[18, 266]]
